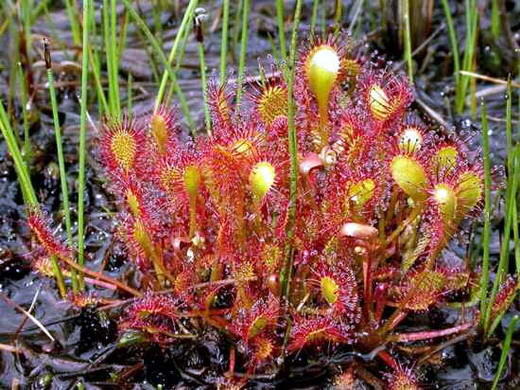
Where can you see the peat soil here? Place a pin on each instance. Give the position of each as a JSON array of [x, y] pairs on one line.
[[85, 347]]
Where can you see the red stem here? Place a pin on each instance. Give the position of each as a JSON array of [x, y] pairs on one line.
[[425, 335]]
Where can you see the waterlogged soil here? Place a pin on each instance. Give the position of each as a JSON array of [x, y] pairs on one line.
[[83, 345]]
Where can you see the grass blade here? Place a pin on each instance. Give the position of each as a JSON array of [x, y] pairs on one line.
[[486, 235], [505, 350], [224, 40], [286, 273], [243, 48], [87, 6]]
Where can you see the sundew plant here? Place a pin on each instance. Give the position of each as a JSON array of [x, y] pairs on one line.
[[207, 221]]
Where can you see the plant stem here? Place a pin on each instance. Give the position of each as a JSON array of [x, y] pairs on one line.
[[469, 53], [73, 20], [486, 235], [173, 53], [199, 35], [243, 48], [495, 19], [281, 28], [285, 277], [407, 39], [169, 70], [427, 335], [26, 150], [87, 5], [505, 350], [224, 40], [59, 152], [314, 16], [111, 51], [58, 275], [22, 170]]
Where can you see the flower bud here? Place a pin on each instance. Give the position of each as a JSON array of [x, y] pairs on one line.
[[192, 179], [261, 179], [409, 176], [322, 72], [159, 130]]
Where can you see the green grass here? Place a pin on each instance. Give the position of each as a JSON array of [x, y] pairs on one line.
[[243, 48], [453, 41], [61, 164], [224, 40], [286, 272], [280, 21], [506, 346], [486, 235], [468, 59], [186, 20], [407, 38], [22, 170], [82, 150]]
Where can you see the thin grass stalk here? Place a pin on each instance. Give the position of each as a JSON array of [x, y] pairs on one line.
[[486, 234], [516, 236], [280, 20], [26, 150], [188, 14], [22, 170], [58, 275], [236, 23], [40, 7], [495, 19], [199, 36], [453, 41], [123, 33], [407, 38], [243, 48], [509, 125], [95, 65], [506, 346], [338, 14], [25, 7], [169, 71], [109, 32], [503, 263], [87, 13], [469, 53], [74, 22], [314, 15], [129, 97], [224, 41], [61, 159], [286, 273], [175, 87], [204, 85]]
